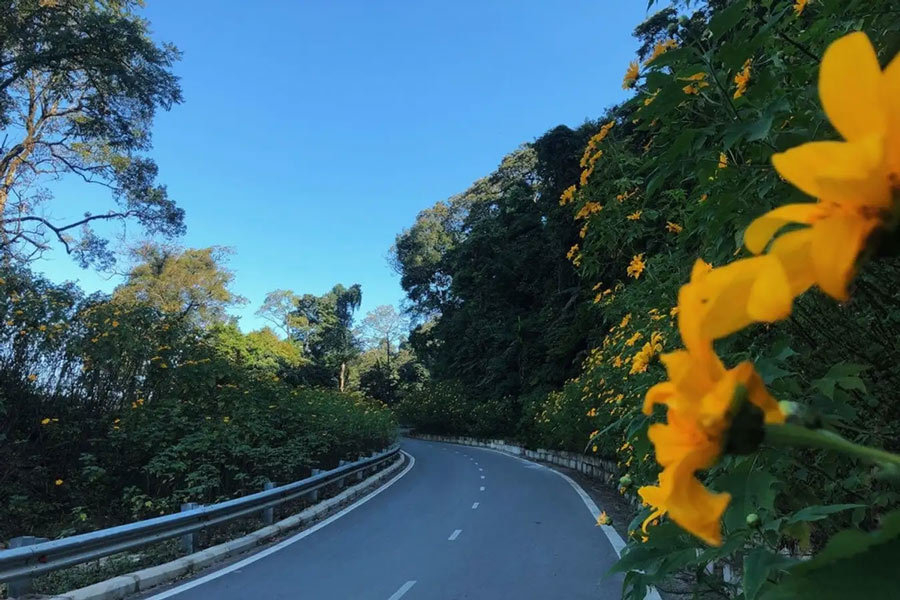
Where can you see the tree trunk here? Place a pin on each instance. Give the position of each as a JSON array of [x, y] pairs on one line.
[[343, 370]]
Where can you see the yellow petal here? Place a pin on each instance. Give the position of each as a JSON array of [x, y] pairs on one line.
[[850, 87], [699, 511], [809, 165], [688, 503], [761, 230], [793, 250], [658, 394], [726, 297], [770, 293], [891, 90], [836, 242], [681, 439]]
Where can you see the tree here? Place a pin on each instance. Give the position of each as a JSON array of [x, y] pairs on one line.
[[80, 82], [324, 330], [190, 283], [280, 309], [384, 325]]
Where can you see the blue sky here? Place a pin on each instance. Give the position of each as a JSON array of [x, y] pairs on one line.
[[313, 132]]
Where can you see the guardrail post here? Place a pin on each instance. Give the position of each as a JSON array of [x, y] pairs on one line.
[[189, 540], [361, 472], [314, 495], [340, 482], [21, 586], [268, 513]]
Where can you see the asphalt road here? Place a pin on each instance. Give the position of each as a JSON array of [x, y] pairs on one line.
[[463, 523]]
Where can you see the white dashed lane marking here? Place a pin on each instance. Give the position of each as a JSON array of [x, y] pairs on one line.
[[454, 535], [403, 589]]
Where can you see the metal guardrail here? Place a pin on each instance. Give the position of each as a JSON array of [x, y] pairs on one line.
[[29, 561]]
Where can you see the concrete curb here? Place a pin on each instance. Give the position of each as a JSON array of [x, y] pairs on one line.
[[140, 581], [591, 466]]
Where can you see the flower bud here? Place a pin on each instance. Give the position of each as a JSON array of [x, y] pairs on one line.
[[753, 520]]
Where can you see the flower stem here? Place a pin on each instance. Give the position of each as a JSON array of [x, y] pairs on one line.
[[794, 435]]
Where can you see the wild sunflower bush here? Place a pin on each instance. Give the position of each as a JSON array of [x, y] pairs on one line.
[[113, 411], [749, 352]]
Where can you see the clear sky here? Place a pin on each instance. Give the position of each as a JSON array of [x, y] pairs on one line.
[[313, 131]]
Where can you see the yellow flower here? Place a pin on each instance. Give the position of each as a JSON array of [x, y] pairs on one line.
[[43, 328], [589, 156], [855, 181], [659, 49], [32, 377], [572, 252], [115, 323], [592, 412], [625, 320], [718, 302], [699, 396], [697, 83], [45, 421], [637, 265], [58, 482], [582, 181], [589, 208], [799, 6], [674, 227], [635, 216], [633, 339], [567, 195], [723, 160], [703, 198], [631, 75], [603, 518], [742, 79], [226, 419]]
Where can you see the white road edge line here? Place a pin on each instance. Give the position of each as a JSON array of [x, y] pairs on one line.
[[284, 544], [474, 505], [454, 535], [612, 535], [482, 476], [481, 489], [403, 589]]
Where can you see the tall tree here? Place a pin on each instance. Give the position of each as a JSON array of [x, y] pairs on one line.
[[190, 283], [325, 331], [384, 326], [504, 306], [280, 309], [80, 82]]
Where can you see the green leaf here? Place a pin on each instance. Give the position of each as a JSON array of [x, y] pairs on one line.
[[819, 512], [758, 564], [759, 129], [854, 564], [727, 19]]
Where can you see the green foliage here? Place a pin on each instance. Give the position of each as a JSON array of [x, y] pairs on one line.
[[135, 409], [80, 82], [323, 327]]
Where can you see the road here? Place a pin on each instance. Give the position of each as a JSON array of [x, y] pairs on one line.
[[462, 523]]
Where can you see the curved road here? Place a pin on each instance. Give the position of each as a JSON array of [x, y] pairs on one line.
[[463, 523]]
